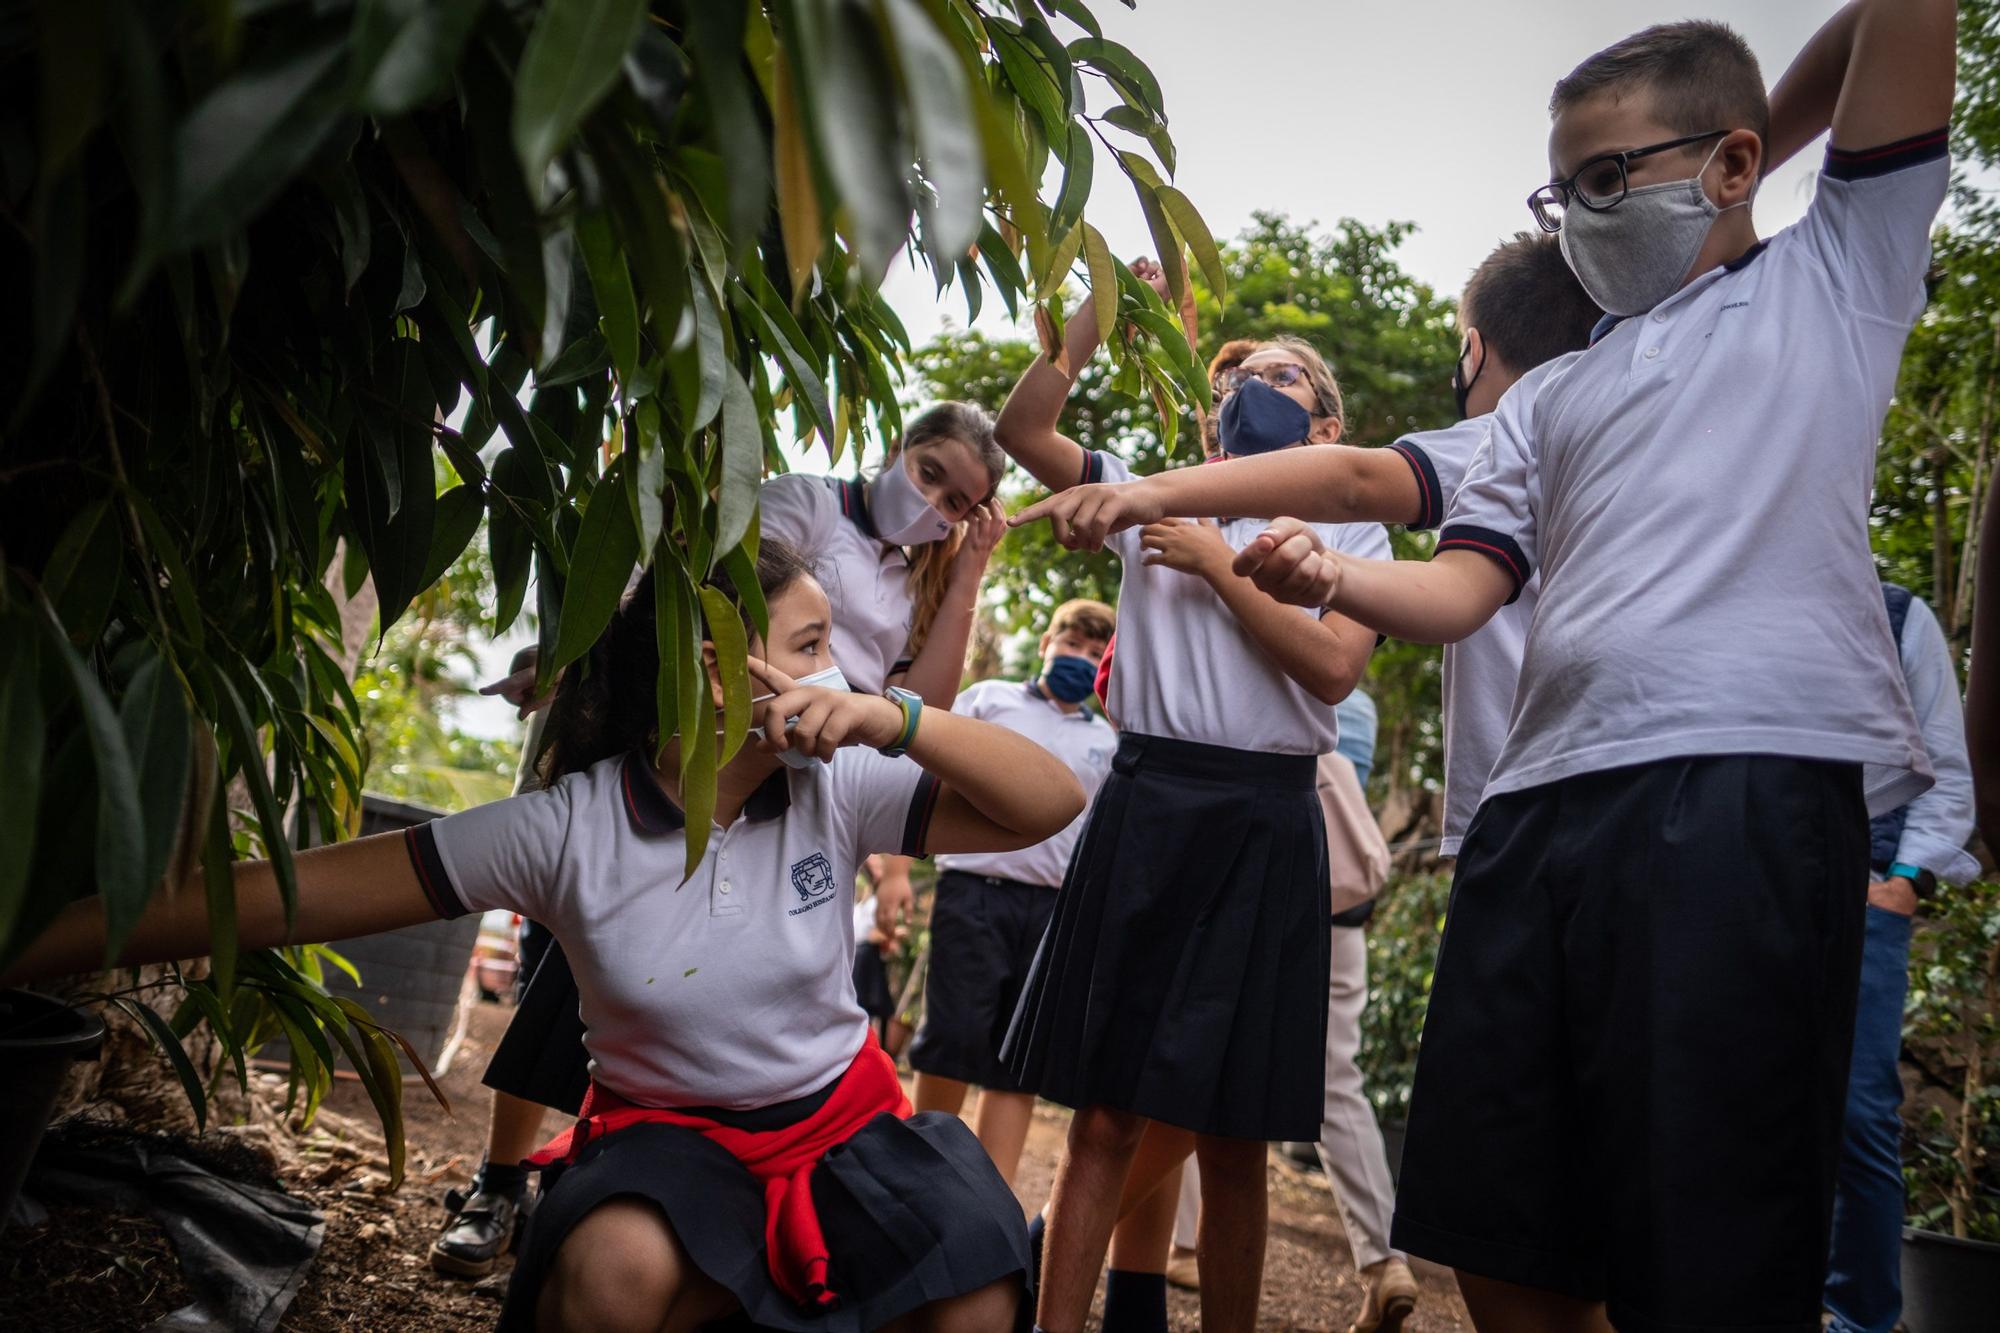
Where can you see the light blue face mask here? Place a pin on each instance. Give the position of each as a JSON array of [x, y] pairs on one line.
[[1636, 254], [830, 679]]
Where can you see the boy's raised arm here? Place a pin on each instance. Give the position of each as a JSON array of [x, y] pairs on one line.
[[1322, 483], [1878, 72]]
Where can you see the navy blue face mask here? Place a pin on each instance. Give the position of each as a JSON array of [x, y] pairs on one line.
[[1258, 418], [1069, 678]]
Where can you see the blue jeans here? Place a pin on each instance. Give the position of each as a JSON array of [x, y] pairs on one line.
[[1864, 1288]]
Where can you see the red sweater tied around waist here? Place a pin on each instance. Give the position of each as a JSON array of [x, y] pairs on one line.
[[782, 1160]]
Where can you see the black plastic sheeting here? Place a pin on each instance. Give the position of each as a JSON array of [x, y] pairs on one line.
[[244, 1246]]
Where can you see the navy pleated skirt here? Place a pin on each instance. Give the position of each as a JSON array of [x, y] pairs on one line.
[[1183, 976], [912, 1210], [541, 1057]]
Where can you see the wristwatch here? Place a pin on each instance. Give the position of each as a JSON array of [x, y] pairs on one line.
[[912, 705], [1922, 880]]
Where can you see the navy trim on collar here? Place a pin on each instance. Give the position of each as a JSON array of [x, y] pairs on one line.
[[1736, 265], [1747, 258], [650, 808], [654, 812], [854, 505]]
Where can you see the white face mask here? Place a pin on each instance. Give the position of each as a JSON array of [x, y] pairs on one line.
[[902, 516], [1636, 254], [830, 679]]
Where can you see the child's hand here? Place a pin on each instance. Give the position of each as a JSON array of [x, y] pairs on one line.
[[827, 719], [1192, 548], [1081, 517], [1149, 272], [984, 527], [517, 687], [1288, 561]]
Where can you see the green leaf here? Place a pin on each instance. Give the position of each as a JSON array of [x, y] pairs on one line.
[[121, 857], [248, 757], [801, 225], [1058, 262], [646, 475], [715, 33], [947, 129], [732, 647], [864, 145], [611, 281], [458, 511], [1187, 372], [255, 131], [1181, 211], [1103, 281], [1117, 62], [1078, 160], [23, 733], [170, 1046], [740, 563], [408, 49], [1130, 119], [1165, 243], [742, 461], [154, 714], [219, 888], [395, 440], [600, 565], [572, 58], [799, 372], [84, 571], [1022, 68]]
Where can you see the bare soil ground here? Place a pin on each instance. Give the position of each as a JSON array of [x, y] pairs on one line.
[[90, 1273]]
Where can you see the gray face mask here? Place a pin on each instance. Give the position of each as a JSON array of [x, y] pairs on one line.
[[1635, 255]]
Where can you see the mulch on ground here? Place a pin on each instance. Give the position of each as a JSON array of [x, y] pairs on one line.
[[86, 1272]]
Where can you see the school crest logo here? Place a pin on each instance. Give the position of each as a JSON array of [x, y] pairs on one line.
[[812, 880]]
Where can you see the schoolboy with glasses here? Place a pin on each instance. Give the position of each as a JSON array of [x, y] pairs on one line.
[[1628, 1105]]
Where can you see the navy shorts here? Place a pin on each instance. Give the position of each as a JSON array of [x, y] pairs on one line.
[[1634, 1068], [984, 931]]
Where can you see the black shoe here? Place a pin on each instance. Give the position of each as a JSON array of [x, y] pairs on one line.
[[484, 1225]]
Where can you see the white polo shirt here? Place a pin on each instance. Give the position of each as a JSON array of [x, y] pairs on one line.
[[868, 581], [1694, 490], [1187, 669], [1082, 739], [734, 989], [1480, 672]]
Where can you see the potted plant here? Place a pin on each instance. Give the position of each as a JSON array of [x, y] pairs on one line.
[[1403, 937], [1951, 1245]]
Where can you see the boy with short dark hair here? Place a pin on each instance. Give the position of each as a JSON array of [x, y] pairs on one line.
[[1629, 1099], [992, 907]]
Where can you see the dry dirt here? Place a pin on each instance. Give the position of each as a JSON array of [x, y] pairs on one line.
[[89, 1273]]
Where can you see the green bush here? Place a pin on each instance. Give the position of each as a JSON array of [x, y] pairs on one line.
[[1402, 957], [1951, 1162]]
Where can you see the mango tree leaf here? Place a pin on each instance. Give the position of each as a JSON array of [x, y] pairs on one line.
[[646, 475], [1058, 262], [154, 714], [864, 145], [947, 130], [1103, 280], [249, 761], [121, 855], [1181, 212], [800, 223], [1178, 355], [1117, 62], [725, 631], [458, 511], [715, 33], [599, 567], [409, 48], [177, 1056], [611, 281], [1079, 157], [571, 59], [83, 572], [219, 888], [254, 132], [23, 732], [799, 372], [1165, 243], [742, 461]]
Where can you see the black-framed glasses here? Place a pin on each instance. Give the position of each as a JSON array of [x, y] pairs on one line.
[[1600, 184], [1281, 376]]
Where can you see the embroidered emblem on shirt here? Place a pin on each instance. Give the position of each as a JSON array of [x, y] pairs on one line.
[[812, 878]]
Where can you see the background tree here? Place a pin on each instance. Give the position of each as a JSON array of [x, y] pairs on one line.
[[283, 261]]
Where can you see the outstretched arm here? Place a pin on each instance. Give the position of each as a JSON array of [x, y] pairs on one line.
[[1329, 483], [348, 889], [1879, 71], [1440, 600]]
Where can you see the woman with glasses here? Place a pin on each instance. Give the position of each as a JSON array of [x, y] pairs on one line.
[[1182, 981]]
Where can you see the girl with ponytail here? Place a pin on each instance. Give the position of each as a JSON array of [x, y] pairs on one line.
[[744, 1144]]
